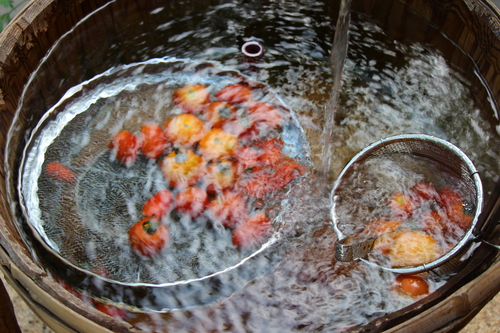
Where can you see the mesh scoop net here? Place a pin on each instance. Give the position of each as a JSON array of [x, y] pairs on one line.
[[83, 225], [360, 194]]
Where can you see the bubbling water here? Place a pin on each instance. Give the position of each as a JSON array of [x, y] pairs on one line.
[[389, 88]]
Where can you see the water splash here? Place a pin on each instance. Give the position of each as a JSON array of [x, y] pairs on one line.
[[389, 87]]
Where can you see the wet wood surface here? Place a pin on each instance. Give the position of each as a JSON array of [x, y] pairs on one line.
[[8, 321]]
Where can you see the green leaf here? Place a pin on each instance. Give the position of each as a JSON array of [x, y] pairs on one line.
[[6, 3], [4, 19]]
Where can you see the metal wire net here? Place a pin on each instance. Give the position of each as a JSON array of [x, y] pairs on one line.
[[395, 164], [87, 221]]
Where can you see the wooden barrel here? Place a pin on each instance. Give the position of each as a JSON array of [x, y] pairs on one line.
[[471, 25]]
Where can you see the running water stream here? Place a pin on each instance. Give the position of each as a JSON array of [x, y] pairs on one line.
[[338, 56]]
